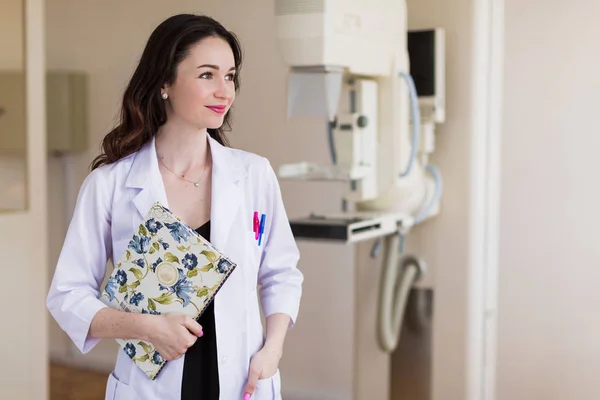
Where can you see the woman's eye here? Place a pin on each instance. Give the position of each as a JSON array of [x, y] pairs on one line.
[[209, 75]]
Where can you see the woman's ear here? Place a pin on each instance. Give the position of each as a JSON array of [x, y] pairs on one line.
[[164, 91], [165, 88]]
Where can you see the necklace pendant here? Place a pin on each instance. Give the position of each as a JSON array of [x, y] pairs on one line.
[[197, 184]]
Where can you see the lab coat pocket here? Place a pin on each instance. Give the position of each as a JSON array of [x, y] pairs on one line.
[[254, 251], [268, 388], [115, 389]]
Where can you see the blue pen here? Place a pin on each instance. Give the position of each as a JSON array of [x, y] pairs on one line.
[[262, 228]]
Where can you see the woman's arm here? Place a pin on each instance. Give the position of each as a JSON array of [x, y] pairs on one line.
[[280, 284], [73, 296], [279, 278], [171, 334], [277, 327], [114, 324]]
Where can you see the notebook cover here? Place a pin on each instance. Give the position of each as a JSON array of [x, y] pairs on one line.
[[167, 267]]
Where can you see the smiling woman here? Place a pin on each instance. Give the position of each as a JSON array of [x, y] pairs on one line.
[[186, 80], [169, 147]]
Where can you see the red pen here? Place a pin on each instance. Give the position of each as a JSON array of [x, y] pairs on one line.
[[256, 225]]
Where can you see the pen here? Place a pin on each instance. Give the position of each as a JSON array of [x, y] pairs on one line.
[[262, 228], [256, 227]]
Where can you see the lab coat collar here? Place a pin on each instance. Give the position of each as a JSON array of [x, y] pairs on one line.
[[226, 197]]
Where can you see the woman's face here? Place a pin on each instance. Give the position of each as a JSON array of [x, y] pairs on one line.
[[204, 90]]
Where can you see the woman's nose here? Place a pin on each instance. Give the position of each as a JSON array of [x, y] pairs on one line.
[[225, 91]]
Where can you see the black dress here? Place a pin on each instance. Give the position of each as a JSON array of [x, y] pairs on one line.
[[200, 368]]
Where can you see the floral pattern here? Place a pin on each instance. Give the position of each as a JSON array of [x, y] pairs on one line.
[[167, 267]]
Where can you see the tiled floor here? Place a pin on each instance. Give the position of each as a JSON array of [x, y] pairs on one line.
[[75, 384]]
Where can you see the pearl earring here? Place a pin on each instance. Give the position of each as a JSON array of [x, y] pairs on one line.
[[164, 96]]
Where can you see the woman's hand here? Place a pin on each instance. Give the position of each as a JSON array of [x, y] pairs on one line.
[[173, 334], [263, 365]]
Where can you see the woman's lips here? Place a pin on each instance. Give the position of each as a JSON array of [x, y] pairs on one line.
[[217, 109]]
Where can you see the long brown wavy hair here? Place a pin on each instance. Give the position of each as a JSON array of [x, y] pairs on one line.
[[143, 110]]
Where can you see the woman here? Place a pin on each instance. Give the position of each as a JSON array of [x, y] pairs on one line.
[[170, 147]]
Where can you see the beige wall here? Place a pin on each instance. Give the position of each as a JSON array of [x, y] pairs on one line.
[[549, 324], [23, 340], [12, 166], [11, 34]]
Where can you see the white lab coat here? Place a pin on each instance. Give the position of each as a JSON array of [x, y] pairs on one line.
[[111, 204]]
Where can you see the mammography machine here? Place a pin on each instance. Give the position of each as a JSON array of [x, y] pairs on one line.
[[355, 64]]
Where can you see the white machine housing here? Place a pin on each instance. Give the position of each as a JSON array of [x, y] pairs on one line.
[[363, 36]]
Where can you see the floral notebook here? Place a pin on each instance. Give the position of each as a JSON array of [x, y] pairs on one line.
[[167, 267]]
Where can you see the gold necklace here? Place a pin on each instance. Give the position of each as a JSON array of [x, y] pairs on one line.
[[197, 184]]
